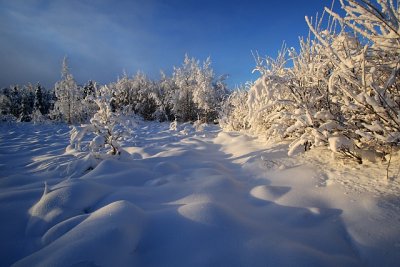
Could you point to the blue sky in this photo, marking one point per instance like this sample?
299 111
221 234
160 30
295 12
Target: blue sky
103 38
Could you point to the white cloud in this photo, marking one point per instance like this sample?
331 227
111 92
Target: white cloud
92 35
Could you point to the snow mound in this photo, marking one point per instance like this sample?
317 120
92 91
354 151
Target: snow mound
269 193
61 228
66 200
117 226
166 167
209 213
83 165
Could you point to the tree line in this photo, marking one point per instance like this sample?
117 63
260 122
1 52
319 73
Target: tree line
193 92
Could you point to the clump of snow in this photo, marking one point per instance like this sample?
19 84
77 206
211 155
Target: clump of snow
80 166
173 126
339 143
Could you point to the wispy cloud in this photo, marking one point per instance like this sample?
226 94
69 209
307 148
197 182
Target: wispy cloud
104 37
41 32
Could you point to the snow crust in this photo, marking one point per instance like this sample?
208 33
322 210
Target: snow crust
191 196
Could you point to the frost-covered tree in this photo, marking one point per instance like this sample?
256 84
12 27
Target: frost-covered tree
39 99
234 110
221 93
23 103
24 115
125 93
27 103
89 89
145 89
136 94
204 95
185 79
198 94
88 100
164 93
69 97
38 105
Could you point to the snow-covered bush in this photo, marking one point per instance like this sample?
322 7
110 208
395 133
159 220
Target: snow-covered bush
234 110
107 126
342 88
364 78
269 101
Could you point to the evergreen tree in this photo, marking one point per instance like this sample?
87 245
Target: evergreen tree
15 99
5 103
89 89
38 103
24 115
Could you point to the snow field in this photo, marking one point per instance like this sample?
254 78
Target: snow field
183 198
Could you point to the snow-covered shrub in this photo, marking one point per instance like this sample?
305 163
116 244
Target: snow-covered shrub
234 110
364 78
269 101
344 146
107 126
314 115
342 90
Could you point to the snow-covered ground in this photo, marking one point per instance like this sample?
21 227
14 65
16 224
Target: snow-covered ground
191 198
